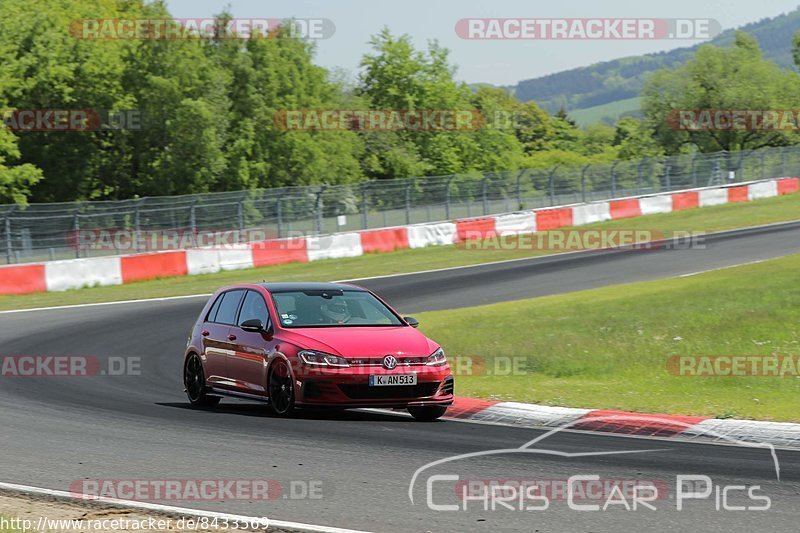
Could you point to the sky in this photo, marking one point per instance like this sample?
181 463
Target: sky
499 62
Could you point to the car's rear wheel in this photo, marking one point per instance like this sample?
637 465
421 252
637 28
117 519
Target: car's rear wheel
427 413
194 380
281 389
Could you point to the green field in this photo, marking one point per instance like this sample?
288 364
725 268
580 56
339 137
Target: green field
705 219
590 115
608 348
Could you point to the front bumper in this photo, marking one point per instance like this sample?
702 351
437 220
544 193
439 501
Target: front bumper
348 388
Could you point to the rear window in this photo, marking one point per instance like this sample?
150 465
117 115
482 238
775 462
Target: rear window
303 309
226 314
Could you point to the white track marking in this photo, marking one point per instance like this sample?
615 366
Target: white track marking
280 524
725 267
429 271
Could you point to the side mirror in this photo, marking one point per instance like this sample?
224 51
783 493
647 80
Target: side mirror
411 321
253 325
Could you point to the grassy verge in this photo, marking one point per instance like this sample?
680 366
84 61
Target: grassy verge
706 219
608 348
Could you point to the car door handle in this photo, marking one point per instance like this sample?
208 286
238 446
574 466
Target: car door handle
231 337
205 333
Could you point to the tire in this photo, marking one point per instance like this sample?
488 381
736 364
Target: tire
194 379
427 413
281 389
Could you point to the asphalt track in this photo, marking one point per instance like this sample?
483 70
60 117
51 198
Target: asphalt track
55 431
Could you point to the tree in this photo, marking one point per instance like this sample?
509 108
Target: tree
735 78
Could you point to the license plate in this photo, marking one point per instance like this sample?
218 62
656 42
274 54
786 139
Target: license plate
386 380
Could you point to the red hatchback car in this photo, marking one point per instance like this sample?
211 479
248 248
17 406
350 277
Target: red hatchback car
313 345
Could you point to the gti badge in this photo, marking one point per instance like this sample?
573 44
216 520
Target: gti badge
389 362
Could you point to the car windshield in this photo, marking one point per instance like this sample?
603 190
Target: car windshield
330 308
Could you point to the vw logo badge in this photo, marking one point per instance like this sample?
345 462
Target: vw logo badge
389 362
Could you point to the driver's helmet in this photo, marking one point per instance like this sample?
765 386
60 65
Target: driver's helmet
336 311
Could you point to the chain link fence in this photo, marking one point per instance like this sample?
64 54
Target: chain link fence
40 232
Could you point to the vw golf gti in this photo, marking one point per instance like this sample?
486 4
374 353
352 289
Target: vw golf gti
300 345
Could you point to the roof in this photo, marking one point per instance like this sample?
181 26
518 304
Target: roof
308 286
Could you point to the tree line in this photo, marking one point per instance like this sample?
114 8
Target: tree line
207 109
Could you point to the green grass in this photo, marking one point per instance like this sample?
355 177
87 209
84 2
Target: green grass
613 110
607 348
705 219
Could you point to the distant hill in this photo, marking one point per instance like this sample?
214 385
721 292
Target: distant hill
613 86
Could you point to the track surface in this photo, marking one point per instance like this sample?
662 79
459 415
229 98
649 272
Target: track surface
59 430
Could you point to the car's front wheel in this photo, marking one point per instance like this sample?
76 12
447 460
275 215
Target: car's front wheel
281 389
194 380
427 413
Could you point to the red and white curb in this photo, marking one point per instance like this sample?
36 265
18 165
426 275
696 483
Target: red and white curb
263 523
698 428
118 270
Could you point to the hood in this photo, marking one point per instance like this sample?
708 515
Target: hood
353 341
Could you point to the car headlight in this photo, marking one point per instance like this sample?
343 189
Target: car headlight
311 357
437 358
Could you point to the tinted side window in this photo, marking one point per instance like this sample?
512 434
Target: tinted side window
227 309
254 306
212 313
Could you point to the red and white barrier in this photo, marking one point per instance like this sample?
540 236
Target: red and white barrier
115 270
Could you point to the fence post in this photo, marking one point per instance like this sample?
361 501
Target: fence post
484 195
694 171
667 182
76 226
584 170
9 243
364 218
408 204
447 197
783 161
519 189
639 175
318 209
551 185
240 216
193 222
279 215
136 224
763 168
614 179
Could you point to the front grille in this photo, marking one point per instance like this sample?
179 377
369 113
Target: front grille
365 392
